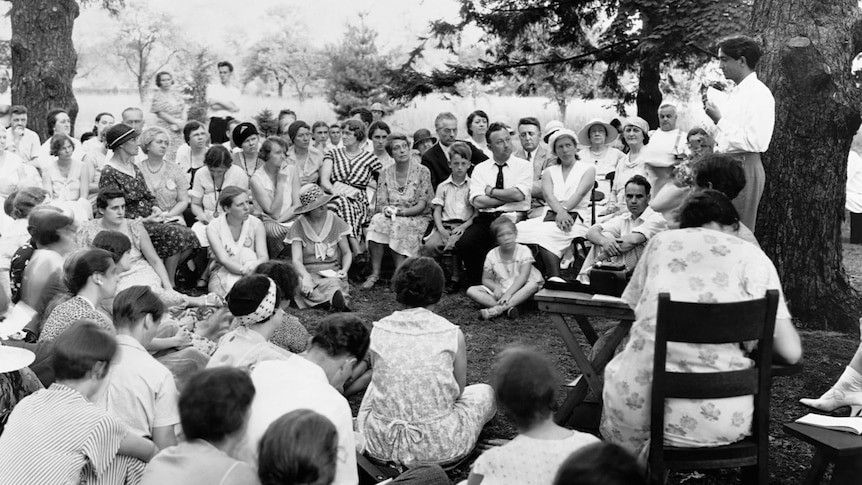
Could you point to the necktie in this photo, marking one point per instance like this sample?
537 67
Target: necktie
529 156
499 184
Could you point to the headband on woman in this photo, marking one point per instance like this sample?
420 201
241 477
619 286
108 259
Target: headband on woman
264 310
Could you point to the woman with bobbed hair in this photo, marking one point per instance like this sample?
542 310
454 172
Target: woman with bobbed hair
346 173
15 234
219 172
716 267
237 239
432 416
378 133
67 178
306 158
190 155
275 190
299 447
477 127
214 411
635 136
169 107
91 277
403 208
58 122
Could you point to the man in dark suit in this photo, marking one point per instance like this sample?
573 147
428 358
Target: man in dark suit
437 157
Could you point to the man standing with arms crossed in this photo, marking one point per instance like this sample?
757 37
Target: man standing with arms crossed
223 101
746 123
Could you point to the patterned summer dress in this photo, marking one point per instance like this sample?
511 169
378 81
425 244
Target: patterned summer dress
356 172
172 103
404 233
694 265
70 311
166 183
168 238
413 411
320 252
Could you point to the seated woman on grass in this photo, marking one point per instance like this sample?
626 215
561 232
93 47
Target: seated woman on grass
509 277
418 408
525 384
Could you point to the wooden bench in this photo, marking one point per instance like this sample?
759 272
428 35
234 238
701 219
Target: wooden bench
829 446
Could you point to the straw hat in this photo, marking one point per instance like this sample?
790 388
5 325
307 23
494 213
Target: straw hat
611 133
557 134
13 358
311 196
377 107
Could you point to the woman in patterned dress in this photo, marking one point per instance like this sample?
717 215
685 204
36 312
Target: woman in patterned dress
346 173
172 240
168 106
403 201
703 261
418 408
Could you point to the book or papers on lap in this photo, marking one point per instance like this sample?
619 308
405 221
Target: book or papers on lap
600 297
329 273
848 424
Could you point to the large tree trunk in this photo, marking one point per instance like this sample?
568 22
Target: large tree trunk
43 58
649 94
806 63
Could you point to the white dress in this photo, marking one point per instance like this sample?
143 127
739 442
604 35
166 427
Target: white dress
66 191
547 234
241 250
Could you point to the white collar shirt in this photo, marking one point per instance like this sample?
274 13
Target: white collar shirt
747 118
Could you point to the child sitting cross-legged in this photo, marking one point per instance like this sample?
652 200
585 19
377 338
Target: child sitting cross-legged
526 388
509 277
453 213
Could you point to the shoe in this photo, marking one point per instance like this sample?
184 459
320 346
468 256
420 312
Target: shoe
567 262
512 312
846 392
370 282
556 279
337 302
489 313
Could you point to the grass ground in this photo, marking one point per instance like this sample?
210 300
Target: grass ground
826 354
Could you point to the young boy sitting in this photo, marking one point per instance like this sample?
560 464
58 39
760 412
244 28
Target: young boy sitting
57 435
453 213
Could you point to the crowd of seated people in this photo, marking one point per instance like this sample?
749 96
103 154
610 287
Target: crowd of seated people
97 235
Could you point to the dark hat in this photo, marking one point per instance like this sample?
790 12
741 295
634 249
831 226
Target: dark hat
119 134
421 135
294 127
242 132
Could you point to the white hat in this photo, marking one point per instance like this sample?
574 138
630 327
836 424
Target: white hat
611 133
557 134
551 127
13 358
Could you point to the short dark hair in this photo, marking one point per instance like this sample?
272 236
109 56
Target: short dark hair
340 334
526 386
379 125
51 119
114 242
498 224
225 64
228 194
217 156
418 282
47 229
134 303
705 207
24 200
356 127
58 140
83 264
738 46
79 348
18 109
600 463
639 180
159 77
472 116
107 194
364 114
286 112
266 147
215 402
495 127
391 139
722 172
299 447
530 120
191 126
96 126
247 293
318 124
461 148
283 273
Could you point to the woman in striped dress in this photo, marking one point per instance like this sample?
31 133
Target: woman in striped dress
345 174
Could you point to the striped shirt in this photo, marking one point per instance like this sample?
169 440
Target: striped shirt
57 436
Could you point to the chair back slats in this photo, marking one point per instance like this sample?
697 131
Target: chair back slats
710 385
713 323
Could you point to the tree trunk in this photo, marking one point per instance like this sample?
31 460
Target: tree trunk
280 85
43 58
807 64
649 94
563 105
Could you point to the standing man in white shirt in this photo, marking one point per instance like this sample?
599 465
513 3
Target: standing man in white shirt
746 123
500 186
223 101
668 138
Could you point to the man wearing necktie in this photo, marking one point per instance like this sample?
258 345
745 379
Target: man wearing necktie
534 151
498 186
